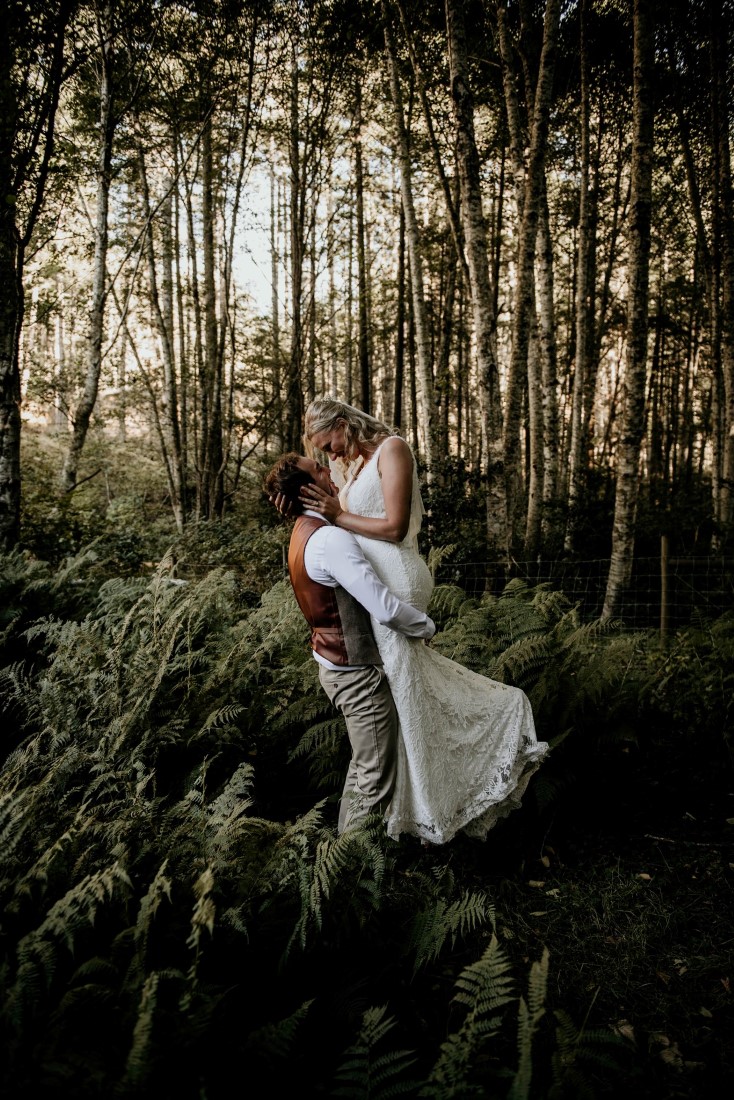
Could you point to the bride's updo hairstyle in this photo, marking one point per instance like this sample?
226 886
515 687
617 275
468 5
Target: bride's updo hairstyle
359 427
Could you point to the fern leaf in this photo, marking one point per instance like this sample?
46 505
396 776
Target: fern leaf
365 1074
433 926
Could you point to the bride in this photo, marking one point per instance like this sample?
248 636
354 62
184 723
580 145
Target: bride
468 744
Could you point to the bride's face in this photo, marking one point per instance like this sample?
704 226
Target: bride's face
332 442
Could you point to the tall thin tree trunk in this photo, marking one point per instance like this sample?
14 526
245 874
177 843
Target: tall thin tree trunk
32 176
397 414
331 266
523 316
423 374
584 318
549 520
162 312
294 395
620 568
211 477
365 380
181 331
85 407
480 288
275 381
349 359
725 203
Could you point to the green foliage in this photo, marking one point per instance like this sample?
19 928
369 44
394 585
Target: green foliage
485 988
581 1053
368 1075
444 920
169 871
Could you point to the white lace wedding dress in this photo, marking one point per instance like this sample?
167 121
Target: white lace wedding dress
467 744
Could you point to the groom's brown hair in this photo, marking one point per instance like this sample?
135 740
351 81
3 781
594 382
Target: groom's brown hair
288 478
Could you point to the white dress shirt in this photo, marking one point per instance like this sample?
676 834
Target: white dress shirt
334 557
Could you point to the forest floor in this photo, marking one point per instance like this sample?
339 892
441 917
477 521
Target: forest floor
631 889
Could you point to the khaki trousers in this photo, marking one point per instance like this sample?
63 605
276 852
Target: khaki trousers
364 698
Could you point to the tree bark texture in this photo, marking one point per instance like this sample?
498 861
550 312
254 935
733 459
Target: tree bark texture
423 374
26 172
640 217
210 496
85 407
584 316
524 306
365 380
10 307
550 439
724 504
480 288
161 308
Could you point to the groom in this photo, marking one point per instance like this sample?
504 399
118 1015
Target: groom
337 591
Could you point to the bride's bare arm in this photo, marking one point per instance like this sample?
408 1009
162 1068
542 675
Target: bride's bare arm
396 471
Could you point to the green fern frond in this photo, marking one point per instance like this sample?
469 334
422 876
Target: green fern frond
366 1075
446 601
432 927
438 554
37 950
530 1013
234 798
519 661
484 987
579 1052
139 1060
274 1041
322 736
516 589
150 903
14 821
487 984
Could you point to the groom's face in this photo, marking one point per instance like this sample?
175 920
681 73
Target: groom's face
320 474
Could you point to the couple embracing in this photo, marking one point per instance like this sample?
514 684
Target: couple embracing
436 747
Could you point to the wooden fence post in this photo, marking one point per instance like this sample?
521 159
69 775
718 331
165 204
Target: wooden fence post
664 551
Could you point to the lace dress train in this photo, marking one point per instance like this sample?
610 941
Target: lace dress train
467 746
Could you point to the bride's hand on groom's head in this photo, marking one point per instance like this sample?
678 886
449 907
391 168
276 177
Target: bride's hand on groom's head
327 504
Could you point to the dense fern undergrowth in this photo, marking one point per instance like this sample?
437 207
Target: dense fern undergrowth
179 913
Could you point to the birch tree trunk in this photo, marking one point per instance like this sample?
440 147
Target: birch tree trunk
11 305
397 413
724 502
210 497
550 528
161 305
576 457
85 407
294 394
423 375
362 314
275 380
524 294
633 414
480 288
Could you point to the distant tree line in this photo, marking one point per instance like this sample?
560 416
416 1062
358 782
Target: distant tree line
504 227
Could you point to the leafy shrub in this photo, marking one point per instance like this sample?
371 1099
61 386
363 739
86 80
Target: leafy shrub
176 901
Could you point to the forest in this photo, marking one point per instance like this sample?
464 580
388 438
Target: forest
505 228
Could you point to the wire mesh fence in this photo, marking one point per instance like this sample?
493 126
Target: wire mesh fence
664 593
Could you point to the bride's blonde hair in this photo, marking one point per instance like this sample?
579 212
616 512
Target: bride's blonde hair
359 427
